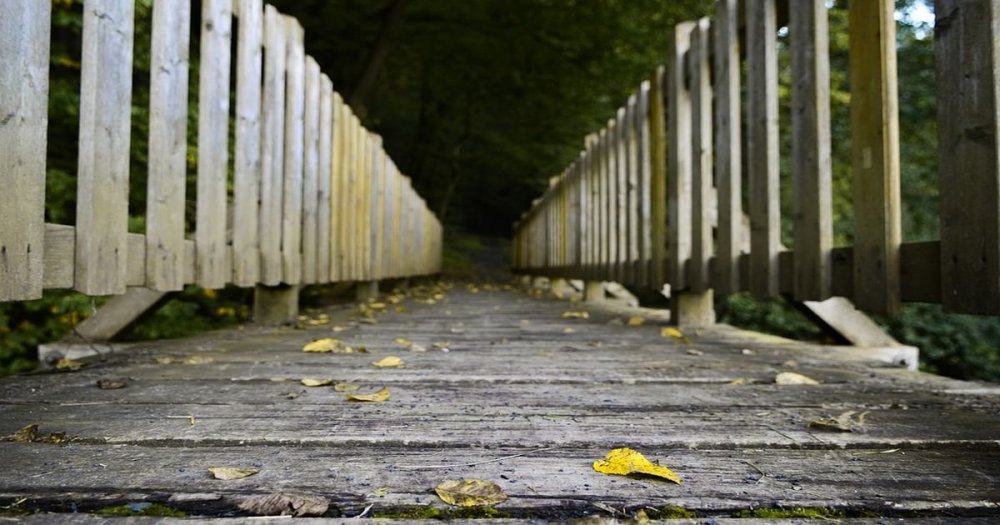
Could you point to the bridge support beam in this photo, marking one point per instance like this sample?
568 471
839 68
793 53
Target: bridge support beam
365 291
275 305
692 308
593 291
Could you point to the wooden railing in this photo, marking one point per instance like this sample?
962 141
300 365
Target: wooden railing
656 197
315 198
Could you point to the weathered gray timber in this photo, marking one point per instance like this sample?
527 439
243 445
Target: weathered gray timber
523 397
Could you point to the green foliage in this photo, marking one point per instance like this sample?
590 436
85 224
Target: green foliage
457 255
773 316
795 512
25 325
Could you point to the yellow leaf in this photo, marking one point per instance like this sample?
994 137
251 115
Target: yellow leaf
389 362
69 364
197 360
576 314
669 331
470 492
345 387
377 306
625 461
636 320
324 345
316 381
377 397
417 348
401 309
568 330
791 378
404 342
228 473
25 435
339 328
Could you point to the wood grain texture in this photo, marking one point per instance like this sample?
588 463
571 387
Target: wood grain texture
24 90
310 180
702 153
337 189
273 148
679 164
762 146
324 220
658 179
644 183
105 137
213 144
967 53
247 158
728 146
875 155
377 209
295 95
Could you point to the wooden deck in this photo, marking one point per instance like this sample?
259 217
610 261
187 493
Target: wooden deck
523 397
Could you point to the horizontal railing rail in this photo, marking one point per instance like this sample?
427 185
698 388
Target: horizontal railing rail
657 196
315 198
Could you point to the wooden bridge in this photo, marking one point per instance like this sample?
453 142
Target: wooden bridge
362 410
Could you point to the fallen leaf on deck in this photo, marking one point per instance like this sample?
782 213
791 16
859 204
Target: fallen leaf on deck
292 395
327 345
381 492
228 473
443 346
377 397
24 435
404 342
389 362
338 329
401 309
417 348
576 314
695 352
625 461
69 365
316 381
285 504
197 360
791 378
345 387
843 423
568 330
636 320
111 384
377 306
669 331
470 492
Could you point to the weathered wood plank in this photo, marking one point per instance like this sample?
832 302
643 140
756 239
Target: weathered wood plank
762 146
310 182
967 53
295 94
247 161
24 90
326 174
728 146
699 73
105 136
273 148
213 144
679 154
875 155
811 161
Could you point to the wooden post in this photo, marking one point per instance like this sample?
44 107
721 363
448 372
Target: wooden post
811 170
310 174
658 179
679 155
276 305
105 137
593 291
25 29
967 49
247 155
875 153
689 309
365 291
699 73
728 147
325 218
762 147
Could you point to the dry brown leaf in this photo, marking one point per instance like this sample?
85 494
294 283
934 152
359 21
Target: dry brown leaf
325 345
417 348
377 397
339 328
345 387
229 473
197 360
404 342
470 492
111 384
791 378
285 505
26 434
316 381
625 461
695 352
576 314
389 362
843 423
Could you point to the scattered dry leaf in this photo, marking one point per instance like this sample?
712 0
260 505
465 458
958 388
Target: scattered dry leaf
669 331
576 314
285 505
25 435
316 381
404 342
636 320
417 348
111 384
843 423
339 328
791 378
389 362
197 360
377 397
292 395
443 346
401 309
695 352
470 492
747 351
345 387
568 330
228 473
625 461
330 345
69 365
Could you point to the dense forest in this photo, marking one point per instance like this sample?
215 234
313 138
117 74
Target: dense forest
480 103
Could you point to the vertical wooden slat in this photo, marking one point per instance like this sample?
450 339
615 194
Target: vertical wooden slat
24 91
762 147
658 179
337 189
602 198
168 112
699 74
213 144
631 150
967 52
679 159
272 147
375 203
325 168
105 119
811 170
643 165
247 156
875 153
310 180
291 215
728 146
388 213
614 190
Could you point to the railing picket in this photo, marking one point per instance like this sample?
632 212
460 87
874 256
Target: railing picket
762 147
325 174
376 193
247 155
967 48
679 155
631 150
25 29
642 143
337 189
875 152
310 174
699 73
273 148
617 203
295 94
658 179
728 147
105 128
